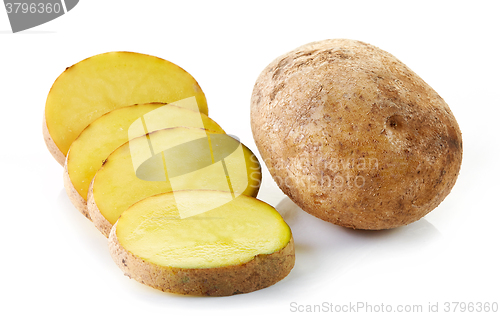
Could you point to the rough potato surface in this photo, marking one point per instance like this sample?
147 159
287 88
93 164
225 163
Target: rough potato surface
102 224
260 272
51 146
353 136
74 197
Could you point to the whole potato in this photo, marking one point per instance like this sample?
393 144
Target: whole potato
353 136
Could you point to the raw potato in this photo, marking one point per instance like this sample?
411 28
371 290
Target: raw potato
238 247
110 131
353 136
99 84
177 158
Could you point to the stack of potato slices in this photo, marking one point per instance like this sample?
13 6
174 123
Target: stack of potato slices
175 195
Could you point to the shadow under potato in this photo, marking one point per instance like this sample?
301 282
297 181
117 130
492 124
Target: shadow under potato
321 245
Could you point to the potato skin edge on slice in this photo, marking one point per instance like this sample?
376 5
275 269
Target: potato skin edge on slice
75 198
262 271
51 146
101 223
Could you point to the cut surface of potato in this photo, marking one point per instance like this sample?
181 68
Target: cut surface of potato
108 132
99 84
236 246
172 159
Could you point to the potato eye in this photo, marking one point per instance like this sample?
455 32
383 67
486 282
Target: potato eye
395 121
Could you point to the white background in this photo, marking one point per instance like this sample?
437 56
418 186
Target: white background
53 260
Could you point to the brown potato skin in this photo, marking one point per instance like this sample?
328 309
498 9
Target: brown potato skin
258 273
51 146
353 136
100 222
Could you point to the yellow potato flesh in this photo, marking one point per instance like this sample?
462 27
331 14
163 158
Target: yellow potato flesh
109 81
230 234
104 135
117 185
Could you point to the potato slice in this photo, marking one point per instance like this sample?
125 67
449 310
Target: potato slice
237 246
105 134
172 159
105 82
